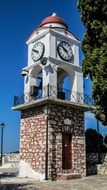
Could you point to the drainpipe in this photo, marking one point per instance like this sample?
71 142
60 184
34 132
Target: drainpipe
46 153
98 141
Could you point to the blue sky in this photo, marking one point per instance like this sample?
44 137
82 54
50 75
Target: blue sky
18 18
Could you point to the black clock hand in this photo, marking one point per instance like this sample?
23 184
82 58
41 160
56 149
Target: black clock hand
66 51
35 50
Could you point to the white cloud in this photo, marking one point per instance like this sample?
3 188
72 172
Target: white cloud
91 122
89 115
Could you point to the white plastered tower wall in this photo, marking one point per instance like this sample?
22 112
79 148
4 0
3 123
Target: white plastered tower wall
51 37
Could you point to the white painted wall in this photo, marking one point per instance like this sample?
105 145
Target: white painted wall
77 88
45 41
50 77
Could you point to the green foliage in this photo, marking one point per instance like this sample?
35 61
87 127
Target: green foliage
94 46
105 140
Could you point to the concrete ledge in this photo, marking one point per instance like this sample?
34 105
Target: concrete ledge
47 100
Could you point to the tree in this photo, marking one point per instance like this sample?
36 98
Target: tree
92 137
91 140
94 46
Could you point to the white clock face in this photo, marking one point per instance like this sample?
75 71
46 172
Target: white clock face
37 51
65 51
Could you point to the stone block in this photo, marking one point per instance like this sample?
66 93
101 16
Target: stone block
69 176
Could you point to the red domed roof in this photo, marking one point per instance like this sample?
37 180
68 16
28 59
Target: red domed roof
53 19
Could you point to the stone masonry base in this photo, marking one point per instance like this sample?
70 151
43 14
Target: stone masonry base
34 123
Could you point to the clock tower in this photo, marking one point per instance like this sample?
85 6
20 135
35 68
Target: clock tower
52 137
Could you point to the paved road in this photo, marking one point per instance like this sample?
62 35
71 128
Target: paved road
88 183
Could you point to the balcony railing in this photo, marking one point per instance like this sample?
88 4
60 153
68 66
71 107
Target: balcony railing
51 91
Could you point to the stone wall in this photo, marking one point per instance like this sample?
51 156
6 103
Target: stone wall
12 159
33 139
56 121
92 163
102 167
93 157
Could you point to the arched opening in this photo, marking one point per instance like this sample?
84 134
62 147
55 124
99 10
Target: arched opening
64 84
36 82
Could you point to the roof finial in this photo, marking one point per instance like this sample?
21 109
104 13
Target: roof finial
54 14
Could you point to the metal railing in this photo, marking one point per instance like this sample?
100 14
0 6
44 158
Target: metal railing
57 93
